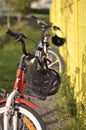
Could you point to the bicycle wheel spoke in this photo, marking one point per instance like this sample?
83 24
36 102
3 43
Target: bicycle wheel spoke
28 123
56 61
53 63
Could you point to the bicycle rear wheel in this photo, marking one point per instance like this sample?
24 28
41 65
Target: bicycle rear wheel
27 118
56 60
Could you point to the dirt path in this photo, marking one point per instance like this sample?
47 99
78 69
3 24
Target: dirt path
49 113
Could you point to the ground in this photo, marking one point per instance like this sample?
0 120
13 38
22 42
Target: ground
49 110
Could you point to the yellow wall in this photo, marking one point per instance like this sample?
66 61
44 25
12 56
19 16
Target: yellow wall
70 15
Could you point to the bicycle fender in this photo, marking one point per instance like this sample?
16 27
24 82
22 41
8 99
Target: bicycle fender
26 102
21 100
3 100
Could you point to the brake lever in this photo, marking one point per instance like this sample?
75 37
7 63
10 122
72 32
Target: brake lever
20 37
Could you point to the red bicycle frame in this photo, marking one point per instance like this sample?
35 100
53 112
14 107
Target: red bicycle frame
19 85
19 82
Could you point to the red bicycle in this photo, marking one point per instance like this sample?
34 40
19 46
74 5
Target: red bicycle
33 78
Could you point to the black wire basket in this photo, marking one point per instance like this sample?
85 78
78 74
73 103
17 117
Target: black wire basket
41 82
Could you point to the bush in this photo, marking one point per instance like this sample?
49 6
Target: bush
75 124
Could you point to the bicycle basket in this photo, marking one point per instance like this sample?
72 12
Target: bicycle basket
58 41
42 82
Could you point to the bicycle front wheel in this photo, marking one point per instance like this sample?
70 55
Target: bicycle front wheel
56 60
27 118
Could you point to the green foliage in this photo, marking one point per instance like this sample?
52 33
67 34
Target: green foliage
22 6
68 92
75 124
42 11
68 107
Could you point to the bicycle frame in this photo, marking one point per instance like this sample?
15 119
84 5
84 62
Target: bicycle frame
16 96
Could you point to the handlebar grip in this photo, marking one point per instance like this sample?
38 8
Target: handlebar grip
39 20
11 33
16 36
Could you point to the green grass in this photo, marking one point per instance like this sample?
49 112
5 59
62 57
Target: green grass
8 62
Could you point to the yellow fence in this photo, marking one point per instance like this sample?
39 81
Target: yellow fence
70 15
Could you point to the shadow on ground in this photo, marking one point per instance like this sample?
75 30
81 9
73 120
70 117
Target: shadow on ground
49 110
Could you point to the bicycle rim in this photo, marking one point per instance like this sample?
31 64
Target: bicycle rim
27 119
56 60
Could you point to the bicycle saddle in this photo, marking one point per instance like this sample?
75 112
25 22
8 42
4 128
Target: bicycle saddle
58 41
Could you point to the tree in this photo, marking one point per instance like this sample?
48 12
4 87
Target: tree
22 6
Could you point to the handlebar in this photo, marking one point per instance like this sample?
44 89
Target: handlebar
44 24
41 22
18 37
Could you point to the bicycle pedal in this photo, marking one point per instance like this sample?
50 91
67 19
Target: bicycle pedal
3 93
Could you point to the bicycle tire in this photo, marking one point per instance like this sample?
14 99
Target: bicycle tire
28 118
54 56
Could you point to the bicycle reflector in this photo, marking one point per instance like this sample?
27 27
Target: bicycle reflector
58 41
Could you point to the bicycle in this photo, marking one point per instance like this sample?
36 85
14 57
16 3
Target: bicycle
56 61
16 110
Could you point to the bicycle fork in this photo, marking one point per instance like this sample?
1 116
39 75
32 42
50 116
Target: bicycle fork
7 111
11 111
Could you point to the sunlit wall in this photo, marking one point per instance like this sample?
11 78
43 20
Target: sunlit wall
70 15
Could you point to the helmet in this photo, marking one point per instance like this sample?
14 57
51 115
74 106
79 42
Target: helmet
58 41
